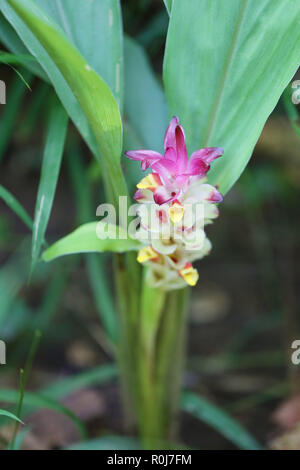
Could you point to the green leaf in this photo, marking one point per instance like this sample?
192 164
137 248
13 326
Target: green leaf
10 112
145 102
50 70
16 319
98 38
64 387
226 65
7 414
56 136
103 298
7 58
95 265
168 5
11 280
16 207
85 240
133 173
146 113
59 390
95 98
100 24
37 401
12 42
52 295
152 33
219 420
291 110
152 308
38 101
21 436
107 443
44 38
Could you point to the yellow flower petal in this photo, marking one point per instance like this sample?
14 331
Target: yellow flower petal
151 182
190 275
147 254
176 212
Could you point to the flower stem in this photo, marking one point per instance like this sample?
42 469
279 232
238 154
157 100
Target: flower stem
161 346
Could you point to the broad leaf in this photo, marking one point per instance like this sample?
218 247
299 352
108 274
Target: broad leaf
95 28
49 69
11 40
145 102
56 136
44 38
226 65
146 110
99 37
86 239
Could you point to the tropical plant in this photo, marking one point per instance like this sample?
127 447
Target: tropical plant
226 65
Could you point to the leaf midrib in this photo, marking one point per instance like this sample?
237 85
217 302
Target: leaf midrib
220 93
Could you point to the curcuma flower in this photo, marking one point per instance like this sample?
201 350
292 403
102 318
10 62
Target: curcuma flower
176 204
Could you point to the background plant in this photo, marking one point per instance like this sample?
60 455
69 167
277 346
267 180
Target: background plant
217 101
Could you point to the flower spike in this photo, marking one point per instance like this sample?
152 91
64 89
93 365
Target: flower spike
177 188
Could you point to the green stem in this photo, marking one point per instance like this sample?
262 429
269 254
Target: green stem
170 358
162 332
128 307
152 309
24 374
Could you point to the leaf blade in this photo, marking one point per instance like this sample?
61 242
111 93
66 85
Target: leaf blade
85 240
168 5
56 136
99 37
95 113
147 112
221 88
48 69
95 98
36 401
16 207
7 414
62 388
219 420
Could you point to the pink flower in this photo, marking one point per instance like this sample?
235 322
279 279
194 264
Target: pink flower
173 171
173 192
